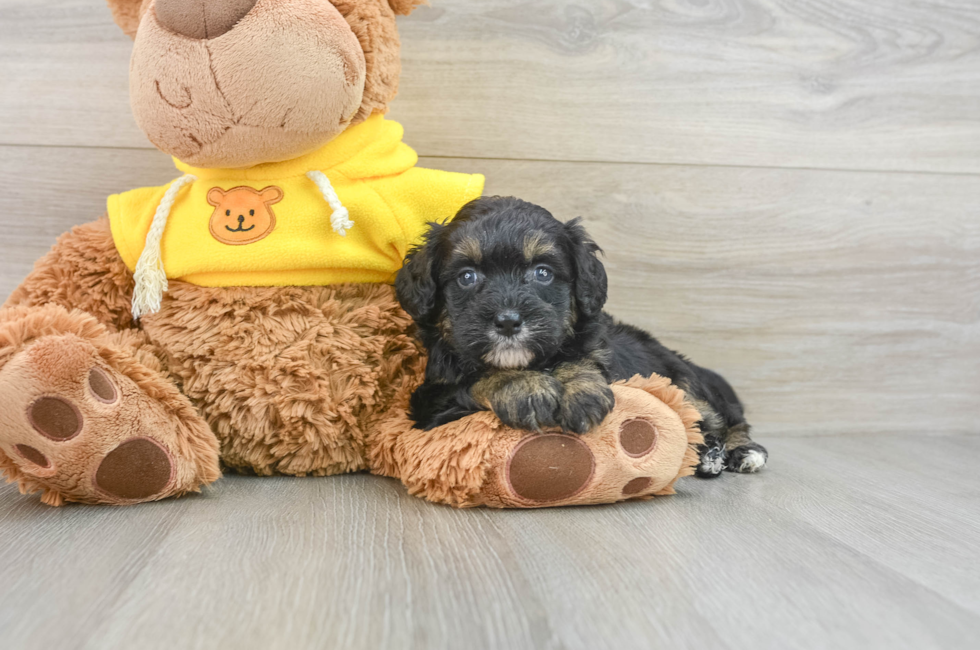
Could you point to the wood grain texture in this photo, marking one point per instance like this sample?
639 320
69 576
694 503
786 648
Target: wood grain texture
835 302
844 84
842 542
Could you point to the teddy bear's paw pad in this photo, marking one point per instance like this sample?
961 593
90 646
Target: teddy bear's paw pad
747 459
33 455
638 438
136 469
55 418
549 468
637 486
101 386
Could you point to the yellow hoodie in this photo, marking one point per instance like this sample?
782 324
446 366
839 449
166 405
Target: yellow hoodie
280 224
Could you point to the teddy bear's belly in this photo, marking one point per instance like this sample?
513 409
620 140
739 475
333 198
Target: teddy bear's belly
290 379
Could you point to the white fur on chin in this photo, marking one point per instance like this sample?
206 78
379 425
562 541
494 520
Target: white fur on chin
508 353
509 358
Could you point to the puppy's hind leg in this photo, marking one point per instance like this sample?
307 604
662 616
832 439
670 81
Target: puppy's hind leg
744 455
711 454
727 442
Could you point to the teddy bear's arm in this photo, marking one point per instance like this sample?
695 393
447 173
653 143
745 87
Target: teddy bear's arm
642 447
82 271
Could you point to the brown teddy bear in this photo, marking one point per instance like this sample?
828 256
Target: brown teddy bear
243 314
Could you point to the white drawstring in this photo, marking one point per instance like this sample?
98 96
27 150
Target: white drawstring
151 279
340 219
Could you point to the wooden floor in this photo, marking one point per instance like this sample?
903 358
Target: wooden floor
859 542
789 192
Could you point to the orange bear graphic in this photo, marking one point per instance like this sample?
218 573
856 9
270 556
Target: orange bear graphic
243 215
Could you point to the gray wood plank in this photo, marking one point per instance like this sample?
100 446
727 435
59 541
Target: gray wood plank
811 83
899 502
835 302
354 562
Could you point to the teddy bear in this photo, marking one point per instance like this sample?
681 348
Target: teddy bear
242 317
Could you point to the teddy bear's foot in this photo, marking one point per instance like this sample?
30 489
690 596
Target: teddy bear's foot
638 451
82 420
642 447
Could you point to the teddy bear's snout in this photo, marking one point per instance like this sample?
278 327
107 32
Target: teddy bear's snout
202 19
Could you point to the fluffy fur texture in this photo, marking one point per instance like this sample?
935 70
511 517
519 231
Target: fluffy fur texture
509 301
373 22
290 379
82 271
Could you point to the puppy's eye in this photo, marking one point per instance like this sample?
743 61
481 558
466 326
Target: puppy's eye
544 274
467 278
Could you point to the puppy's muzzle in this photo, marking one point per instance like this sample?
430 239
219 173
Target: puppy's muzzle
508 323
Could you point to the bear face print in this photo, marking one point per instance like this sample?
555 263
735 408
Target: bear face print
243 215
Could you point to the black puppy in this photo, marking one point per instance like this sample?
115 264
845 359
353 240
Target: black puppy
508 301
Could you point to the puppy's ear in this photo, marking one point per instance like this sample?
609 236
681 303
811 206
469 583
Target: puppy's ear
590 275
416 284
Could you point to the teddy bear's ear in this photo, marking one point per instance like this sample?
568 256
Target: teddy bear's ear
127 14
405 7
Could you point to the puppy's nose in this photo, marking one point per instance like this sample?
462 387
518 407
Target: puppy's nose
508 323
202 19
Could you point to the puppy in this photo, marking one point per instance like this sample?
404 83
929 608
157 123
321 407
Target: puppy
508 301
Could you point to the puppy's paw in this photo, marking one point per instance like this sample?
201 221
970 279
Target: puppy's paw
529 400
584 407
747 459
712 458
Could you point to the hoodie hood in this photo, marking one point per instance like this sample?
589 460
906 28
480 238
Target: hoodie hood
370 149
